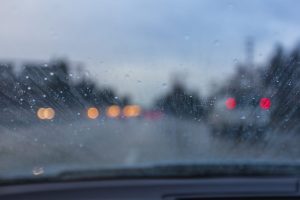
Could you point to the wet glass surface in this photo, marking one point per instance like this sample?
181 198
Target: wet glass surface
97 84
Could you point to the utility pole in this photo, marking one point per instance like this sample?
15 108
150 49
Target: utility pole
250 52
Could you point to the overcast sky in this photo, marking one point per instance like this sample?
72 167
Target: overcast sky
136 45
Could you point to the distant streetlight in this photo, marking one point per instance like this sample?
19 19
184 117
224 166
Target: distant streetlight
93 113
113 111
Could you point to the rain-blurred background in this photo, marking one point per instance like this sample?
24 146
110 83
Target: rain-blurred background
106 81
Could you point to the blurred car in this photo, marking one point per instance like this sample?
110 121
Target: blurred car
239 118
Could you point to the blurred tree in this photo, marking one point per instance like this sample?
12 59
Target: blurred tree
282 80
49 85
179 102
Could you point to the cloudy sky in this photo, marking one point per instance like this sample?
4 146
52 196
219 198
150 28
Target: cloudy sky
136 46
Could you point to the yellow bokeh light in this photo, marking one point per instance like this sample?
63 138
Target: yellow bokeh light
132 111
45 113
92 113
113 111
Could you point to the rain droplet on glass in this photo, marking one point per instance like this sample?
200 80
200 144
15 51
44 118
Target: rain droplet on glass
37 171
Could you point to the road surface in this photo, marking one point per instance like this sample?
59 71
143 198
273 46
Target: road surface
94 143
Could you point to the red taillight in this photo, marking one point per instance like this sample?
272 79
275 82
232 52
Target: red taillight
265 103
230 103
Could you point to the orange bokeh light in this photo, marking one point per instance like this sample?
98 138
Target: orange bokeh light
40 113
93 113
113 111
49 113
46 113
132 111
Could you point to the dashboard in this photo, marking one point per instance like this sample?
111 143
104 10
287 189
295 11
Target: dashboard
166 189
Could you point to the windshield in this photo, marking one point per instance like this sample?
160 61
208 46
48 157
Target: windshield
92 85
